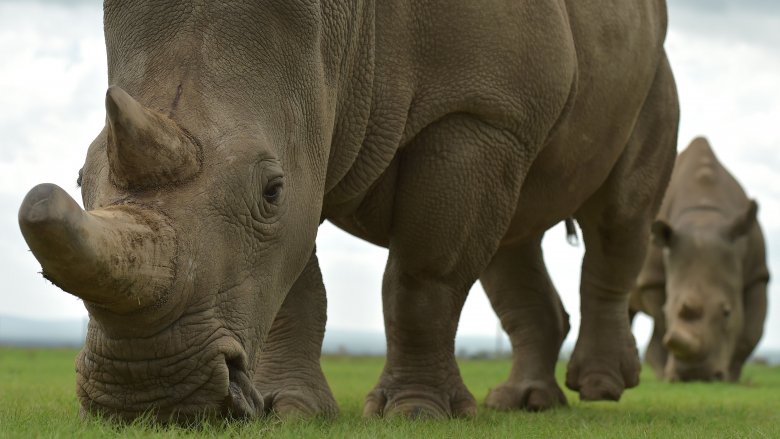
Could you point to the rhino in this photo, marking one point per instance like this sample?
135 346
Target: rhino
452 133
704 282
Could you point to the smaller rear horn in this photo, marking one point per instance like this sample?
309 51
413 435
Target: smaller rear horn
145 148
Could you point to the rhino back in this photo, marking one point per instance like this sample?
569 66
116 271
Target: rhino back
619 54
551 73
510 65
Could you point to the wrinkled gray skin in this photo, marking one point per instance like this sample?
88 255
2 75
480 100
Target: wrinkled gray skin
704 282
453 133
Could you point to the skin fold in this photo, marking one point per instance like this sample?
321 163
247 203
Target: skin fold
704 283
452 133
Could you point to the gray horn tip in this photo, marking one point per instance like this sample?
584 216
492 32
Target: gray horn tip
116 100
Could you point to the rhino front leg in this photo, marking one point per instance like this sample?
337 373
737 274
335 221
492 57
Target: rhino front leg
522 294
651 300
605 359
755 306
288 372
656 354
456 191
615 224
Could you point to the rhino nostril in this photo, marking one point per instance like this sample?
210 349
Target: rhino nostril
718 375
691 311
242 400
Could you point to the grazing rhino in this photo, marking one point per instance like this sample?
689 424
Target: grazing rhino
704 283
452 133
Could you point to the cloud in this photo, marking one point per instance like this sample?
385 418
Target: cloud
352 272
729 92
51 80
727 6
753 22
51 83
62 3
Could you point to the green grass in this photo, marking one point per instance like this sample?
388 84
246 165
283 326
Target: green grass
37 399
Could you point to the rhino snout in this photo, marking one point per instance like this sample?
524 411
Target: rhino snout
177 384
677 370
682 344
689 360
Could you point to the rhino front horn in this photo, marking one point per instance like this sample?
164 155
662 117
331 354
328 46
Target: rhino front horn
146 149
119 258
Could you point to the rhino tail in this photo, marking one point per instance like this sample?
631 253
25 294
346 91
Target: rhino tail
571 232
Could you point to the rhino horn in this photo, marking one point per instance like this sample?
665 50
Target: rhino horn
120 258
682 344
146 149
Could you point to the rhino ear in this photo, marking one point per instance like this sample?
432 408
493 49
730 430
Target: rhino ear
662 233
743 222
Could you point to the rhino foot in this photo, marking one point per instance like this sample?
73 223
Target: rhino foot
420 403
301 404
605 360
528 395
598 387
603 375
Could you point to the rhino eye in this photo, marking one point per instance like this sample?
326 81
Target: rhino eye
273 191
726 311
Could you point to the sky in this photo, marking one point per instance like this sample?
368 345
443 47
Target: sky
725 55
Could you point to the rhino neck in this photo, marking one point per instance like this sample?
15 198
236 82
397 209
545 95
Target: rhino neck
350 70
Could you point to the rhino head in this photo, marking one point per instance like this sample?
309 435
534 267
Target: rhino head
704 310
202 199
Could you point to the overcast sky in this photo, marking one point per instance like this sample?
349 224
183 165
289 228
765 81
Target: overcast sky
726 59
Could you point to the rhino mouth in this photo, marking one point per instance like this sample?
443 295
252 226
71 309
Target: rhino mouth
683 371
242 401
202 382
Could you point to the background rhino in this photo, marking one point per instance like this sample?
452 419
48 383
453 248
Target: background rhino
454 134
704 282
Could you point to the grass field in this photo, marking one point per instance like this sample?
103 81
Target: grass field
37 399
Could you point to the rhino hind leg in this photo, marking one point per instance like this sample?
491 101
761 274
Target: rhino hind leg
616 226
522 294
288 373
456 193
